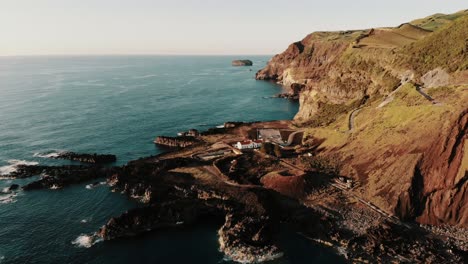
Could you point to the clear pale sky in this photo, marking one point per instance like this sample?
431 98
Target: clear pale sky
40 27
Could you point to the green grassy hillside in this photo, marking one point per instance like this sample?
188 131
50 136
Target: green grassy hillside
446 48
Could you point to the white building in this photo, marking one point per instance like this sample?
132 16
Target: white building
248 144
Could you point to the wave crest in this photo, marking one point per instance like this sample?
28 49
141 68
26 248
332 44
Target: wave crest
49 155
8 198
13 166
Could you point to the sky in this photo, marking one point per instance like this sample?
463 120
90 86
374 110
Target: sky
200 27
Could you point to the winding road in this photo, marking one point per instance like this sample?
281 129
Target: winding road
292 135
351 119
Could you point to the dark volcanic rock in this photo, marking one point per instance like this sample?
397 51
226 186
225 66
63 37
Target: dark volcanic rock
295 90
232 124
287 96
150 181
61 176
164 215
182 142
87 158
13 187
242 63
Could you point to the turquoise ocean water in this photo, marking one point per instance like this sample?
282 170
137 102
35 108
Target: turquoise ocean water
117 104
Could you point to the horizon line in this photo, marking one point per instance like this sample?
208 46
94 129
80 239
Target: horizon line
131 54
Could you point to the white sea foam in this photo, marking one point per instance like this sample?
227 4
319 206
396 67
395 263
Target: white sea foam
8 198
6 190
54 187
86 220
13 166
257 259
92 185
47 155
86 241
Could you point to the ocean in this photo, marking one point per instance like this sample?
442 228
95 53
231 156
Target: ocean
117 105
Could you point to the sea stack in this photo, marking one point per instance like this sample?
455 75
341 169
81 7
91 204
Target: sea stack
242 63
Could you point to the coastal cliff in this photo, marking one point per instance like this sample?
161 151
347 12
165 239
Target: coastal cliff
389 105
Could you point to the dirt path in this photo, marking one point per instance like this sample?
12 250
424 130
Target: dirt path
351 123
390 97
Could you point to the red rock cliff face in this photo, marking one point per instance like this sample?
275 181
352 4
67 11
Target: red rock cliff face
445 177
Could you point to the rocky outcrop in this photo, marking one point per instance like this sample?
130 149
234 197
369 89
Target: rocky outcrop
181 142
54 177
242 63
13 187
435 78
169 214
87 158
294 92
245 236
232 124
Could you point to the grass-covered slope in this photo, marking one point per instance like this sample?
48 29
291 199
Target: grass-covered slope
446 48
411 137
437 21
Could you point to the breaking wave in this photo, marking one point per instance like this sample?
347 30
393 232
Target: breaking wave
48 155
86 241
13 166
8 198
93 185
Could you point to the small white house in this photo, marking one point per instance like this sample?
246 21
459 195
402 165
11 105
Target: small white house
248 144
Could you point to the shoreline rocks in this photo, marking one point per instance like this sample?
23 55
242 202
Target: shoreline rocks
13 187
87 158
288 96
181 142
55 177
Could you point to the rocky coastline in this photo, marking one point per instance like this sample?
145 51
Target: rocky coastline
178 190
375 164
